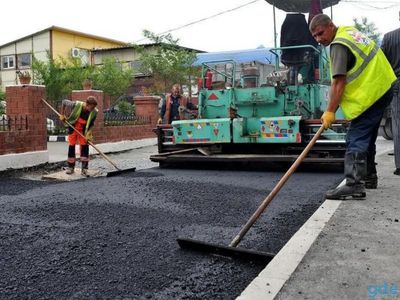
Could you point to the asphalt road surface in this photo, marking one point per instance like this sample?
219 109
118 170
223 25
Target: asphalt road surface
115 238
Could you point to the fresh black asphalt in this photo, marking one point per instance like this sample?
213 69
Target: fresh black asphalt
115 238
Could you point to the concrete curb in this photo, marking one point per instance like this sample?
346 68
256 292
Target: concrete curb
123 145
270 281
23 160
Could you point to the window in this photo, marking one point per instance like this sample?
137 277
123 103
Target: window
136 65
8 62
24 60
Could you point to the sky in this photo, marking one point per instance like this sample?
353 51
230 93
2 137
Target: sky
245 28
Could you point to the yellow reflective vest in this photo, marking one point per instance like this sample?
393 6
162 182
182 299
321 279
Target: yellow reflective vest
371 76
76 112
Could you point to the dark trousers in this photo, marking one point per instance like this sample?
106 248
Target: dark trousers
84 156
363 131
395 106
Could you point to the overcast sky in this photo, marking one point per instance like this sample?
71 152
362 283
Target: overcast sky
244 28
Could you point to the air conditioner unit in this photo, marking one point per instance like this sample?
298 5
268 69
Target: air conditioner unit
76 52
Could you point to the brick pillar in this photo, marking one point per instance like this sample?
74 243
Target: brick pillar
98 129
147 106
23 101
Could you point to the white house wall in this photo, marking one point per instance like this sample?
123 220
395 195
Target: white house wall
123 55
41 45
38 45
8 50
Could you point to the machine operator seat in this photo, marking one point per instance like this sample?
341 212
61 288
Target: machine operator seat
295 32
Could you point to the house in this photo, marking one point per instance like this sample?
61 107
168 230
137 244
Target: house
54 42
260 58
129 56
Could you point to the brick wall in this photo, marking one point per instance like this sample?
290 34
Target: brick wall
145 107
24 103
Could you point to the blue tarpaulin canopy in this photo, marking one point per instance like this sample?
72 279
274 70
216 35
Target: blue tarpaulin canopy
261 55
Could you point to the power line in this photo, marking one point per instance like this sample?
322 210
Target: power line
204 19
366 3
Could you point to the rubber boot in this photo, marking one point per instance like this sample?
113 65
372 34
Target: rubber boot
355 169
84 170
70 169
71 160
371 179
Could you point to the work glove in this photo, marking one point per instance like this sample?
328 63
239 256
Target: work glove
62 118
159 121
89 136
327 119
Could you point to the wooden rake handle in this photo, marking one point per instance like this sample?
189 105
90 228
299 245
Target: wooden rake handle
78 132
275 190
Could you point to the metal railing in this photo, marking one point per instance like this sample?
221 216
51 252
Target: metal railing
13 123
119 119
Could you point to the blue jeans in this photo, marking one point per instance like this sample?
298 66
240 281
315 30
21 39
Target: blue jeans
363 130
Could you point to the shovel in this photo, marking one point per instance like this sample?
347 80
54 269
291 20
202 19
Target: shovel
232 250
109 174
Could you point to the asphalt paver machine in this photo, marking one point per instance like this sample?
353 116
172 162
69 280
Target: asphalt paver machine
247 118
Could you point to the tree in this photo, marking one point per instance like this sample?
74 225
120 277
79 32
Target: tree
168 63
2 102
63 75
112 78
368 28
60 76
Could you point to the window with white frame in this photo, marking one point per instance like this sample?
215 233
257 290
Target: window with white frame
8 62
24 60
136 66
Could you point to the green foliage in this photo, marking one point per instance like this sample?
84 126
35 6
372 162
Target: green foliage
2 102
368 28
125 108
61 76
168 63
112 78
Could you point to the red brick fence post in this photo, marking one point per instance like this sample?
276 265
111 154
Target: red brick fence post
24 145
147 106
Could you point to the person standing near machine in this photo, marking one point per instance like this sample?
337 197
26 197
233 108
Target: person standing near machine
391 47
361 85
174 106
82 117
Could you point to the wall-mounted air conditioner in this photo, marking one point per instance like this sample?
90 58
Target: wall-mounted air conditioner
76 52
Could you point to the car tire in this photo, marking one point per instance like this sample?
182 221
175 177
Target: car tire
386 129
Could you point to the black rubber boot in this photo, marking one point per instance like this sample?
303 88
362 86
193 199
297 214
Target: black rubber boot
355 168
371 179
84 170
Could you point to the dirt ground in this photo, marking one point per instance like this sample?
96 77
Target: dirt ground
115 238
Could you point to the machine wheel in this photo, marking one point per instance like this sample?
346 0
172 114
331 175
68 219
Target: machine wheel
386 129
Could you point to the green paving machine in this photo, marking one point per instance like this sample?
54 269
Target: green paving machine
247 118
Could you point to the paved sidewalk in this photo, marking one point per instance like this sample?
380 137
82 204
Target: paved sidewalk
355 256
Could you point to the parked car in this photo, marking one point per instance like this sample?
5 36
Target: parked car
385 128
50 125
4 120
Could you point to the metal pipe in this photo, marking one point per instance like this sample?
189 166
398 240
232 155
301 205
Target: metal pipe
275 38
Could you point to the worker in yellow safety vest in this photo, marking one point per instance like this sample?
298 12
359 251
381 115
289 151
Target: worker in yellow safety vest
82 117
361 85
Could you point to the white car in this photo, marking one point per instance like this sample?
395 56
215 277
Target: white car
4 123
